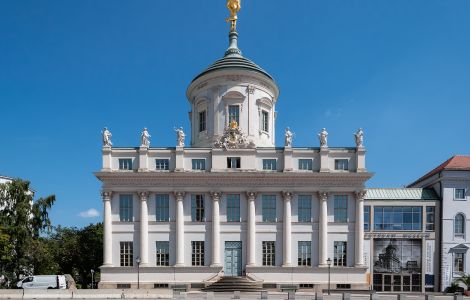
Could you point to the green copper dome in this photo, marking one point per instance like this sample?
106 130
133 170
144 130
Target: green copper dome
233 59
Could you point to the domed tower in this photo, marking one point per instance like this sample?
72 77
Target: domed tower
233 101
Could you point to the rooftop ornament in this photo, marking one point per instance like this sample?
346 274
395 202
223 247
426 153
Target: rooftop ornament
234 7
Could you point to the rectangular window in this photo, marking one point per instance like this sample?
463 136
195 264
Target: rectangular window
340 254
269 208
234 113
305 164
162 252
269 164
202 121
126 254
430 215
265 121
126 208
233 208
366 218
269 253
341 208
199 164
397 218
162 164
197 208
233 162
460 194
305 208
197 254
304 253
125 164
162 204
341 164
459 262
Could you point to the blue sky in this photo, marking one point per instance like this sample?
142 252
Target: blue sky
398 68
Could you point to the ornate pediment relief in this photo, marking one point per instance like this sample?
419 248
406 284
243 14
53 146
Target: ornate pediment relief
233 138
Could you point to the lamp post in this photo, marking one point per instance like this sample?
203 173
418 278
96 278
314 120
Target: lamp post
137 260
328 262
92 281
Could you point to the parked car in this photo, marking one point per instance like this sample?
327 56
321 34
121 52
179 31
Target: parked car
43 282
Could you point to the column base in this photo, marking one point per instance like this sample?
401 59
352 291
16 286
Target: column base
322 265
143 265
359 265
289 265
107 265
250 265
218 265
179 265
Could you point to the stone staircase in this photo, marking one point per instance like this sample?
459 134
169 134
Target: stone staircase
231 284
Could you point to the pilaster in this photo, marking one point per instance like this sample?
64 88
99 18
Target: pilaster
324 167
143 159
216 229
107 229
251 218
144 229
359 240
288 160
361 159
179 196
179 159
323 229
287 232
107 158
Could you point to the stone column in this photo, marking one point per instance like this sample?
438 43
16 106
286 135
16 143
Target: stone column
323 229
107 230
287 230
179 229
144 229
251 218
215 229
359 241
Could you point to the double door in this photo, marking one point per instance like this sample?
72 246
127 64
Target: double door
233 259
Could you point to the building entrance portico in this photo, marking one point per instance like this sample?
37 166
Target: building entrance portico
233 259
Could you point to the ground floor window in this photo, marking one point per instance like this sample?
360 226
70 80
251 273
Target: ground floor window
458 262
269 254
197 253
162 254
340 254
126 254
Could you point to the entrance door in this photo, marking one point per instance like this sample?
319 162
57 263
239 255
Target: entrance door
233 258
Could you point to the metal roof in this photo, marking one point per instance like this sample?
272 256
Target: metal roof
401 194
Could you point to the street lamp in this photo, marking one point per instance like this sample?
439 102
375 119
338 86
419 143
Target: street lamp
328 262
92 281
137 260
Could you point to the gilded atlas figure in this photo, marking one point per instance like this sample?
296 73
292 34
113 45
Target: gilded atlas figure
234 7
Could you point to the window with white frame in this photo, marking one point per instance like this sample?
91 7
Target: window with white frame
197 254
268 208
459 225
162 252
233 208
125 164
199 164
430 215
234 113
340 206
264 121
305 164
340 249
366 218
202 121
162 164
341 164
197 208
269 164
459 262
269 253
233 162
126 213
304 253
126 254
304 206
162 208
459 194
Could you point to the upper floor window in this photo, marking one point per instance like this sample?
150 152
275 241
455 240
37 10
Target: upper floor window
304 257
269 164
305 164
341 164
269 253
305 208
125 164
430 215
264 121
126 254
197 255
233 208
390 218
233 162
234 113
199 164
162 164
459 194
162 205
268 208
459 225
366 218
126 208
197 208
202 121
162 252
340 208
340 249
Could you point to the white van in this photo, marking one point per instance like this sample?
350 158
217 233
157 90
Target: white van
43 282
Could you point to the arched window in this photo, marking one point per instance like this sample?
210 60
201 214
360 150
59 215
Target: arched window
459 225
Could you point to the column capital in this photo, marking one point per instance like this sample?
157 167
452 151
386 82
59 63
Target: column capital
143 195
215 195
360 194
251 195
179 195
323 195
287 195
106 195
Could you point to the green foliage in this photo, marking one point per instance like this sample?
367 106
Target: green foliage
465 280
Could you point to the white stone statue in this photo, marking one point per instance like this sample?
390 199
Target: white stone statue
323 137
288 140
359 137
180 136
106 137
145 138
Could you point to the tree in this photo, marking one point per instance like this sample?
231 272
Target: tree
22 221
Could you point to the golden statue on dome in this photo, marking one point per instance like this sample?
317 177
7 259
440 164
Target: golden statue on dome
234 7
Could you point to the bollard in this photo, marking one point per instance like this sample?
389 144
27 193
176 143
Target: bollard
181 296
236 295
429 297
210 295
401 297
291 295
318 296
264 295
458 297
346 296
374 296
